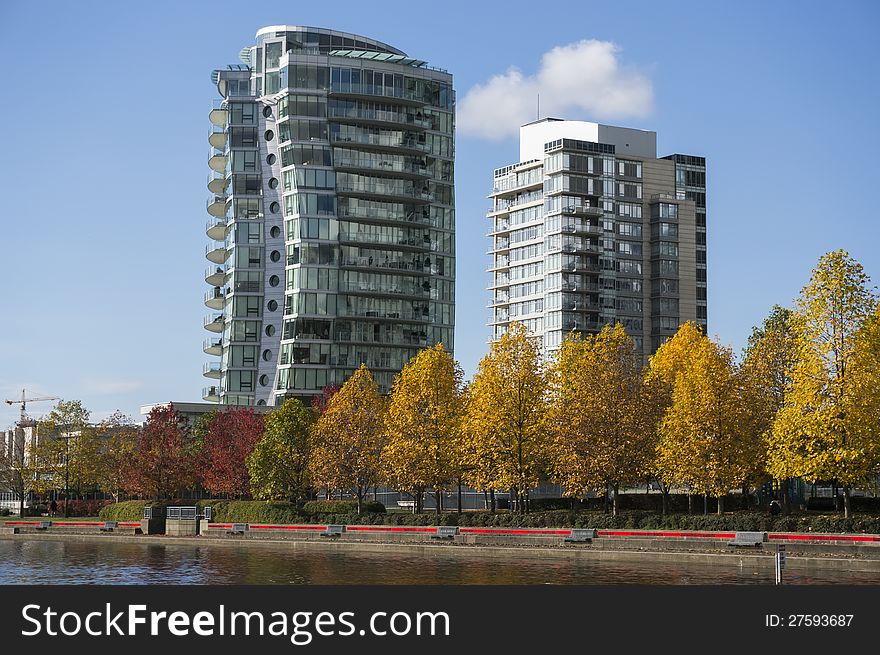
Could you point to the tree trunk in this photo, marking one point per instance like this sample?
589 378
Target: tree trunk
720 505
745 496
847 507
360 497
705 504
437 496
459 495
664 499
615 505
786 497
690 503
492 505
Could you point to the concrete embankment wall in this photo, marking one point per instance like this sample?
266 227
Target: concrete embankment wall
804 551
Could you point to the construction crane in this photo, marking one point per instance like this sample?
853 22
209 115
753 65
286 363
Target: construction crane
23 402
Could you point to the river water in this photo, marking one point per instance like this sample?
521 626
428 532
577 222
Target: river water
70 562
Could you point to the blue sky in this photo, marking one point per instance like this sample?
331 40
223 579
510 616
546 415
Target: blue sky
104 126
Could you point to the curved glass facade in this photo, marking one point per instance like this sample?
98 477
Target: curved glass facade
332 185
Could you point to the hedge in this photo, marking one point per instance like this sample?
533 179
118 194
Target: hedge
242 511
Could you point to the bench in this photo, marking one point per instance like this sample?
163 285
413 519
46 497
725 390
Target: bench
445 532
333 531
582 535
44 525
109 526
239 528
748 539
406 504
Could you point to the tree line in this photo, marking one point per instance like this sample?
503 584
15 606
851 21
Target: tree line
803 401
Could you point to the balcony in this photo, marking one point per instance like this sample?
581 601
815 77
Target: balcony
213 346
218 137
500 262
500 228
214 323
582 210
211 394
381 141
219 115
379 117
215 275
386 191
414 169
218 183
580 227
499 300
413 218
216 253
580 247
212 370
215 299
216 230
218 160
216 206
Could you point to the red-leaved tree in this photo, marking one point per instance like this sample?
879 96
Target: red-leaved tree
230 437
322 400
161 463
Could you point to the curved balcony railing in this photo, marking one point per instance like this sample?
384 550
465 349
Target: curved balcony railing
214 322
212 370
213 346
370 164
216 298
215 275
211 394
218 115
216 253
216 229
382 141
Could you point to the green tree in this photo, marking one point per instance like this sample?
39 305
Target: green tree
505 436
278 464
117 436
70 448
818 433
348 437
422 425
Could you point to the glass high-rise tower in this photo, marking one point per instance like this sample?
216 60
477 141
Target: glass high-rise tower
590 228
332 214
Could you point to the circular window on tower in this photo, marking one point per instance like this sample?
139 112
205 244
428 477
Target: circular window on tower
274 207
267 355
270 159
269 135
272 305
273 182
264 380
267 112
274 281
275 256
275 231
270 330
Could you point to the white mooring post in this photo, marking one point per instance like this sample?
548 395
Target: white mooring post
780 562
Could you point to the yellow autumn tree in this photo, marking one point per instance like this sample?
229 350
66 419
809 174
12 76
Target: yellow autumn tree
600 433
422 425
708 436
769 357
504 427
348 438
670 361
819 433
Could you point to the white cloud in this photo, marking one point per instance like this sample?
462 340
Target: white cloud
580 78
